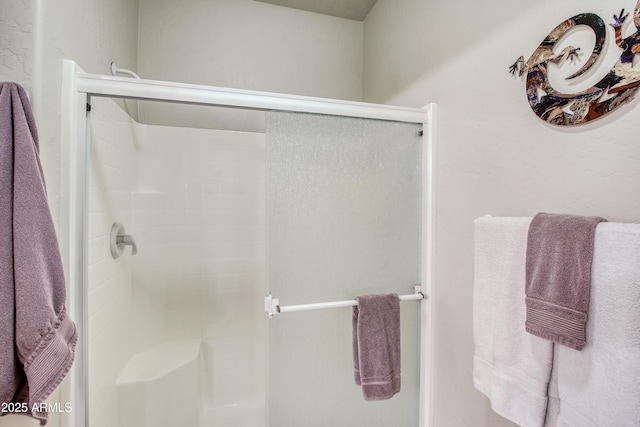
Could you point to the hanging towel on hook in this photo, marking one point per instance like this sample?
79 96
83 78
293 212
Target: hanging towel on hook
376 345
37 337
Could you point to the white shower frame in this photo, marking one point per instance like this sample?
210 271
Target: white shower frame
77 89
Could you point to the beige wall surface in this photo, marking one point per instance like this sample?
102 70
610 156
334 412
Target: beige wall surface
36 36
250 45
494 155
247 45
92 33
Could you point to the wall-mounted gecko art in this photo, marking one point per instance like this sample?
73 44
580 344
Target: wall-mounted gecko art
613 90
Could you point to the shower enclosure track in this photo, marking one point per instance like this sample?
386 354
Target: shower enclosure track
77 89
125 87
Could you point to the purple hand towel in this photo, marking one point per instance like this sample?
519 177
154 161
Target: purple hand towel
558 277
376 345
37 338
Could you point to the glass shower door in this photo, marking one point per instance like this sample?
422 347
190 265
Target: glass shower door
176 335
343 219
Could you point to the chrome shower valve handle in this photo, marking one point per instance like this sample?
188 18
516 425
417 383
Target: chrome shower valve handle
119 239
127 239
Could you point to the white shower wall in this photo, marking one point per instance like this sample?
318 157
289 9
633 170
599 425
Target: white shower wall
198 213
194 201
112 174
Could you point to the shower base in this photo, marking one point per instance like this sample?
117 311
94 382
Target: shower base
242 414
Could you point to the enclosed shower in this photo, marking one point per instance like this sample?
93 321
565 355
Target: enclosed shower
239 248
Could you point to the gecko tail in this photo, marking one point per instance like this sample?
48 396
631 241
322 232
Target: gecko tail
598 27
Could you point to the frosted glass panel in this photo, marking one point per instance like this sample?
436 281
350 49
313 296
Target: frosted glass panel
343 219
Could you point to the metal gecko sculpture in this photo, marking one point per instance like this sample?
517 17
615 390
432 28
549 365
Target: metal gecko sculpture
613 90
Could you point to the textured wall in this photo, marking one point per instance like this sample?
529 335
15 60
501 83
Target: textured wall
396 48
35 36
16 41
16 64
494 155
92 33
248 45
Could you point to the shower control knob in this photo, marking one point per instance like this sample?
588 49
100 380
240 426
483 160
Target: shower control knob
119 239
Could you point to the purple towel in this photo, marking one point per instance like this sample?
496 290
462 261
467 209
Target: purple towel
376 345
37 338
558 277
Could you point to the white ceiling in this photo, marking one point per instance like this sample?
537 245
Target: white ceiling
349 9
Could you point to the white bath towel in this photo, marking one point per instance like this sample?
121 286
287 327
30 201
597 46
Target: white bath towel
510 366
553 405
600 386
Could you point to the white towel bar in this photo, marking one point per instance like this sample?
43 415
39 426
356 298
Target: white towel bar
272 305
